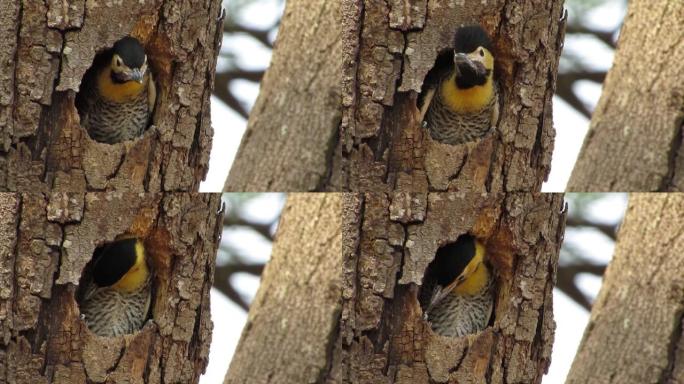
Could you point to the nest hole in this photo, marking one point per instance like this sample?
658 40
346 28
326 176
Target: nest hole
117 97
456 296
116 288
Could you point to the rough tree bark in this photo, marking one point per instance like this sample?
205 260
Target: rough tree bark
389 47
46 241
634 142
387 247
45 51
291 323
635 333
293 127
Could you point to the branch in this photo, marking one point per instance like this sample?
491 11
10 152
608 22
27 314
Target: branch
572 76
605 36
566 281
262 229
258 34
607 229
238 73
222 280
564 90
223 92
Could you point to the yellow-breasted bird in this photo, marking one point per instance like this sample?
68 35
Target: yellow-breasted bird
456 296
462 100
115 295
117 96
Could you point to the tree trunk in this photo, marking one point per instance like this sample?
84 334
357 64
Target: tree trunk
368 327
389 48
635 331
635 139
45 243
389 243
291 323
293 127
48 47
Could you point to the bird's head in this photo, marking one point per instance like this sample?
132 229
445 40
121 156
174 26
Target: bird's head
459 260
473 58
129 62
121 265
455 263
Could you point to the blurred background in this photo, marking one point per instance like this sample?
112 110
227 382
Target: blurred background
249 226
251 219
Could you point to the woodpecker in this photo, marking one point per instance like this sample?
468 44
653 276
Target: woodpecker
456 296
461 101
116 100
116 291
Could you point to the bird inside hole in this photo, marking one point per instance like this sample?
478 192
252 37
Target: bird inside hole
117 95
456 295
459 102
115 291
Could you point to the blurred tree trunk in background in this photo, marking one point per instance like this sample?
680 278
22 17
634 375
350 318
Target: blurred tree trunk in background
293 126
635 139
46 241
390 47
635 331
45 51
295 314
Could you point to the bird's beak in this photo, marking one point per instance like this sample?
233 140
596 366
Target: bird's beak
441 292
461 59
137 75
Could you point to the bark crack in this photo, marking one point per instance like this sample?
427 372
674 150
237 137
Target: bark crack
674 350
16 67
122 351
673 155
324 180
357 275
15 287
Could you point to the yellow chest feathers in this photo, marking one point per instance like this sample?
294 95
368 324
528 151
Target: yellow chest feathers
468 100
117 92
474 283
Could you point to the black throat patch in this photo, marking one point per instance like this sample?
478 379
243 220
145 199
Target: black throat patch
117 78
470 77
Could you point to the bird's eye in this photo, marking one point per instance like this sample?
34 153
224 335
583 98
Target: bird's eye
481 52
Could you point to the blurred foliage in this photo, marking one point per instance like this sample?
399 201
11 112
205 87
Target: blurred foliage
232 258
573 64
585 217
230 70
